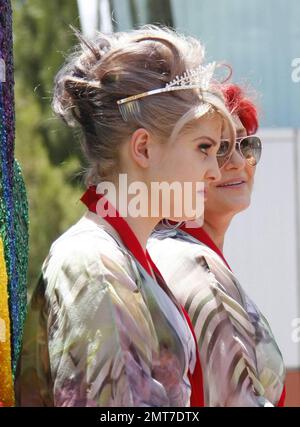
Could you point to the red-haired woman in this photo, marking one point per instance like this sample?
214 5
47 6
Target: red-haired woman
241 362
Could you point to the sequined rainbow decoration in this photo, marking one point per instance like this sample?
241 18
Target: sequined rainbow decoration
6 378
13 221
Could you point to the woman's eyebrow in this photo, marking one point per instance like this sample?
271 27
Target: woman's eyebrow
239 133
214 142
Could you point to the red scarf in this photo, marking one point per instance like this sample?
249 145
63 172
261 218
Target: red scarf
201 235
90 198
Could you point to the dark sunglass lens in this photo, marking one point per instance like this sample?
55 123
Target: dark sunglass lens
222 154
224 148
251 149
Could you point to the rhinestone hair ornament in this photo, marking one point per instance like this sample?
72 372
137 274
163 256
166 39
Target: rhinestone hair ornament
197 78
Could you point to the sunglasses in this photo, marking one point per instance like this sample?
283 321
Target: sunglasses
249 147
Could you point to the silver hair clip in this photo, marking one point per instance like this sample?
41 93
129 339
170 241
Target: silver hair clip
198 78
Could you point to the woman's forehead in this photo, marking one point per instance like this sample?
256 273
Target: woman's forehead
240 129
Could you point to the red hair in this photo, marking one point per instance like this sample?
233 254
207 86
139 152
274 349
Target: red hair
238 104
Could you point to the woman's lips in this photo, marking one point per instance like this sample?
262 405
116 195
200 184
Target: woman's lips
234 184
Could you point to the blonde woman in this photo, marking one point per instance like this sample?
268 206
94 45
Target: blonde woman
103 329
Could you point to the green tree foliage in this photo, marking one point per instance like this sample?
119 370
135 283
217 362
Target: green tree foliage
46 149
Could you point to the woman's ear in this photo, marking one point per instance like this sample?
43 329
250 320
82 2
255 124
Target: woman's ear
140 147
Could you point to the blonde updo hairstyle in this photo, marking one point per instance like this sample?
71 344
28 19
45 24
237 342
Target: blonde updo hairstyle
112 67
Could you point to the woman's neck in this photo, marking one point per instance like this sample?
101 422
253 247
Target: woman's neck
141 225
216 227
142 228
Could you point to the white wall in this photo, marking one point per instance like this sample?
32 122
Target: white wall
262 245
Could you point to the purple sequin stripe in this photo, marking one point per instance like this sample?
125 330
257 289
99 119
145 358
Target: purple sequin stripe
7 133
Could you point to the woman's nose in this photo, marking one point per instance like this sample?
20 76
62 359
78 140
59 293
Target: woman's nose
236 161
213 171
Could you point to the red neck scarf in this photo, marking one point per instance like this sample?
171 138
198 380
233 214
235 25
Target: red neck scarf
201 235
90 198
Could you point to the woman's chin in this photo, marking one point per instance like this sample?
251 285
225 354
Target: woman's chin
227 207
237 205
